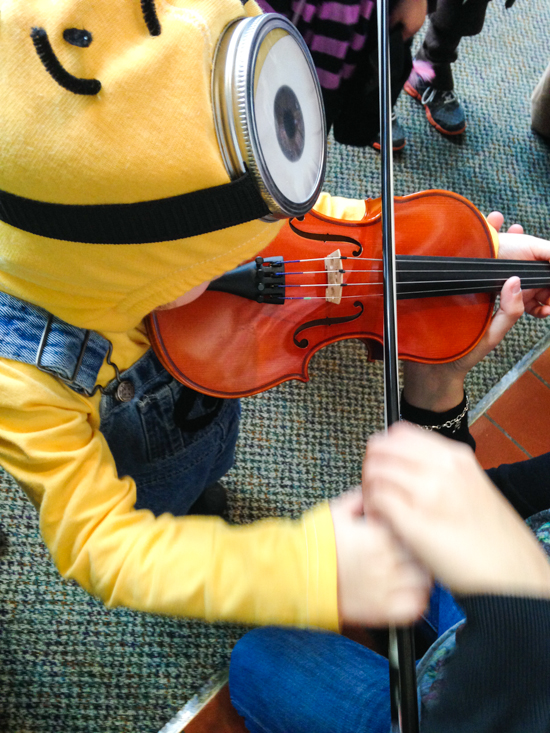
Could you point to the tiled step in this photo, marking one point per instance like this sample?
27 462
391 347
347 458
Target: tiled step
514 421
209 711
218 716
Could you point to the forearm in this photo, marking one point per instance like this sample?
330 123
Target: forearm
498 676
433 387
526 484
435 398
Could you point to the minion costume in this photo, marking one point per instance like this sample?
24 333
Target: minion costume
109 103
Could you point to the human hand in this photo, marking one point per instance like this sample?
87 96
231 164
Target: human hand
410 14
379 584
515 245
440 503
440 387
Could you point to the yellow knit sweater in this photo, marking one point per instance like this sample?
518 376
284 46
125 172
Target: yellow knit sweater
148 134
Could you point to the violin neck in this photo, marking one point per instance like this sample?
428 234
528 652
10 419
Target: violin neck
424 277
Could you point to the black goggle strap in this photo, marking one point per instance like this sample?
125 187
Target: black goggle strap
160 220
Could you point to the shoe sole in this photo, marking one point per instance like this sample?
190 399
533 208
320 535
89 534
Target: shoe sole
396 149
411 91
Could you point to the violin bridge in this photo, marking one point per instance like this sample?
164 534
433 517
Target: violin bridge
335 278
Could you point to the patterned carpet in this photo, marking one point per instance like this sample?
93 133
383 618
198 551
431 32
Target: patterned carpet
69 664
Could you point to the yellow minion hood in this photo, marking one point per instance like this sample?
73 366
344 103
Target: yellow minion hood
109 103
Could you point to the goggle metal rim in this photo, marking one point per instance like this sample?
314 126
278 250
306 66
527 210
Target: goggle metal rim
233 99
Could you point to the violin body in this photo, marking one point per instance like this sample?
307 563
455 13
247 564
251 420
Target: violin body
228 346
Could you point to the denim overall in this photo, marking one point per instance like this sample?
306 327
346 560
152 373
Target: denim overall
173 441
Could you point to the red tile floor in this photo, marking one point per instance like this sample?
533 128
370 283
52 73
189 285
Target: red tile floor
517 424
514 426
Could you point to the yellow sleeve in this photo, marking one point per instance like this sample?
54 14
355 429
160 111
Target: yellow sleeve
273 571
340 208
494 236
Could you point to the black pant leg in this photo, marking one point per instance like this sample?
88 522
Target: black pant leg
449 23
358 120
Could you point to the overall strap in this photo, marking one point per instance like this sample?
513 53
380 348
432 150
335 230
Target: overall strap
31 335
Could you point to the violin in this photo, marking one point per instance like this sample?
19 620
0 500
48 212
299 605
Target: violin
259 325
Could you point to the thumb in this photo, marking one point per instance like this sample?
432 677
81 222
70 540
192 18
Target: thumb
510 310
511 302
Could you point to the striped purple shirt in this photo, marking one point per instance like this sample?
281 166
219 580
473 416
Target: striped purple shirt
335 33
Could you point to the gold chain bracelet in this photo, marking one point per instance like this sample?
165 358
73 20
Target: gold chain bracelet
454 423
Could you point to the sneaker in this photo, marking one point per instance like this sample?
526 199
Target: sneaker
212 502
541 135
443 108
397 135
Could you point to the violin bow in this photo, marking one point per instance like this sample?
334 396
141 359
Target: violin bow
404 701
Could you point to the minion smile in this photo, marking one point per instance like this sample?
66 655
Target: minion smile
82 38
53 66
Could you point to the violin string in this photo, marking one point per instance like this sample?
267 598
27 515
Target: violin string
457 283
402 259
400 294
327 259
481 274
323 297
511 268
321 272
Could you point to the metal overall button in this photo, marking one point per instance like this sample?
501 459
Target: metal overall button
125 391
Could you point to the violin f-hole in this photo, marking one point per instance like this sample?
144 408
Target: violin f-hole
328 238
304 343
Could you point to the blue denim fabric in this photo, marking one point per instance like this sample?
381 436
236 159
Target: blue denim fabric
288 680
171 467
443 612
72 354
292 681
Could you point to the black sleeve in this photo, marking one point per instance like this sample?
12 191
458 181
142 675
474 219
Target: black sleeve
424 418
525 484
498 680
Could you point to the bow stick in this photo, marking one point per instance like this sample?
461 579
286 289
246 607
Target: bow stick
404 703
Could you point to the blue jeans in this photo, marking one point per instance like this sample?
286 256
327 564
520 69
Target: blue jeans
295 681
171 464
172 440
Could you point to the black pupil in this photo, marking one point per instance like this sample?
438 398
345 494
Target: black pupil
289 123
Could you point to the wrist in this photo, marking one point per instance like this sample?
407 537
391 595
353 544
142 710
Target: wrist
428 387
452 423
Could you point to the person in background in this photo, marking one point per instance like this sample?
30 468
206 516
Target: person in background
431 80
488 667
342 39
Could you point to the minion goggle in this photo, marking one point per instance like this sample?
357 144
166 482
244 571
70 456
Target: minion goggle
270 125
